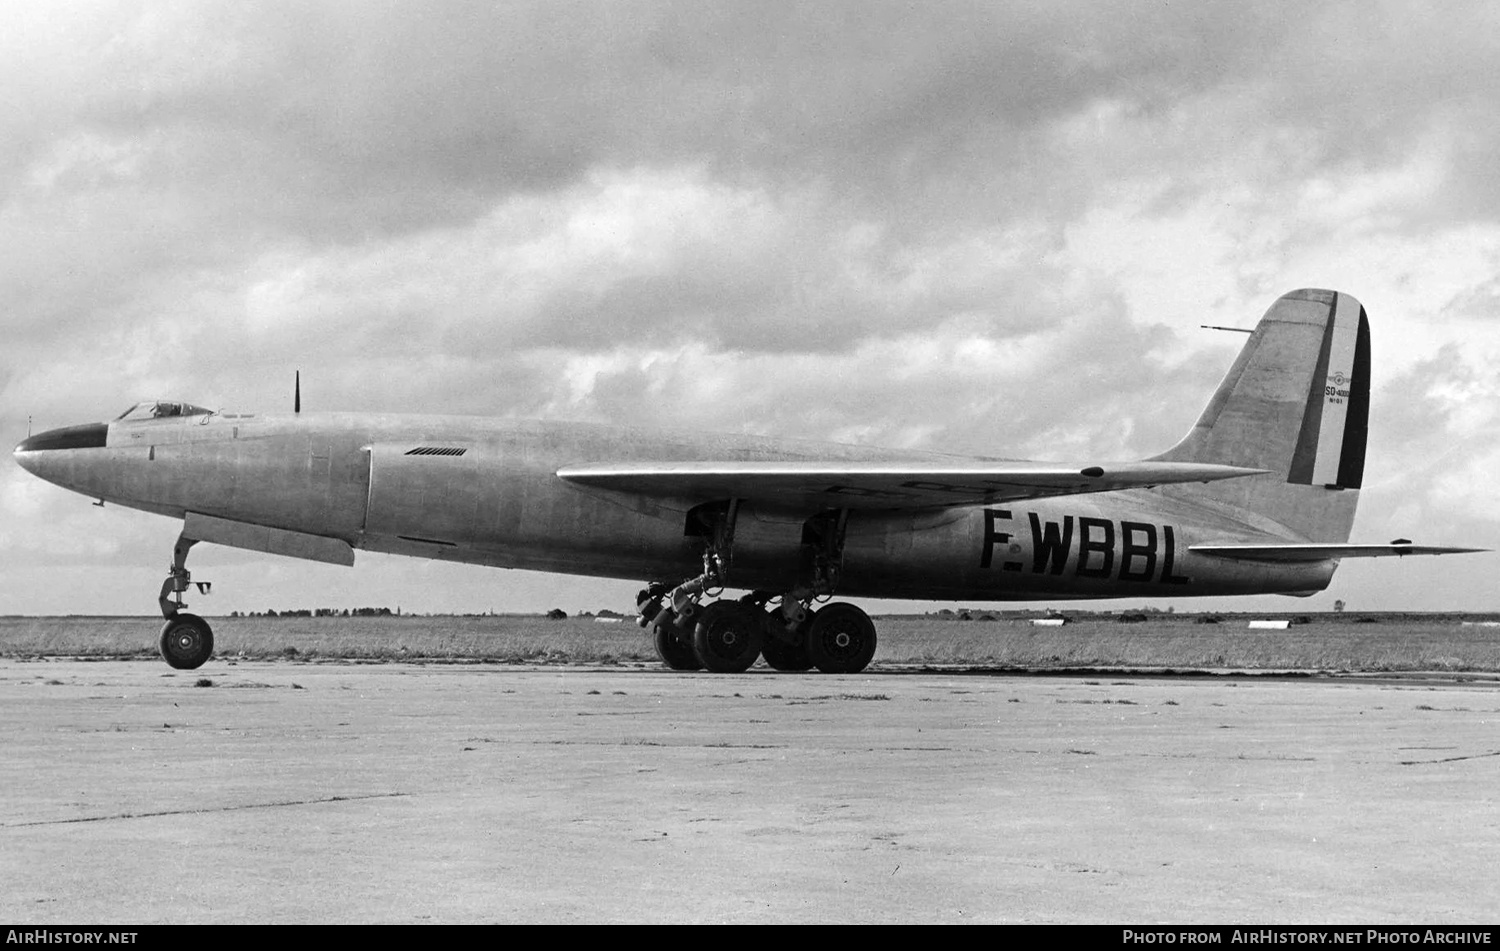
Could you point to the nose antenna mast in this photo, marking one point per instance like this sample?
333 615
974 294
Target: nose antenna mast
297 394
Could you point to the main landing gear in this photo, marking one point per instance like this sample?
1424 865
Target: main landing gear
728 636
187 641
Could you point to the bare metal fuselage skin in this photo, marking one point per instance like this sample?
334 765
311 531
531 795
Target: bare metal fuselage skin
486 491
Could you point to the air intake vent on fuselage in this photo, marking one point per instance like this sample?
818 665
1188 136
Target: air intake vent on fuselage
436 451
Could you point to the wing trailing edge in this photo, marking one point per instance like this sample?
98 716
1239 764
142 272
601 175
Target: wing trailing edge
885 485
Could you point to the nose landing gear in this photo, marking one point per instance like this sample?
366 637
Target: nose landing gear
186 641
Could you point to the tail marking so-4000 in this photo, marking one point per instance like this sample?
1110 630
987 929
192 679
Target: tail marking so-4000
1258 498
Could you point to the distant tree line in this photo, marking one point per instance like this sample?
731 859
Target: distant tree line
320 612
555 614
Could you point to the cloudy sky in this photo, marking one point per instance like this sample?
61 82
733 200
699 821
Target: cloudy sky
964 226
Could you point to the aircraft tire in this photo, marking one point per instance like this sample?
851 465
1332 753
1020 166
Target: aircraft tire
187 642
728 637
841 639
676 653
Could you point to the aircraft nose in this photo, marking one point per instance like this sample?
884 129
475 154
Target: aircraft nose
87 436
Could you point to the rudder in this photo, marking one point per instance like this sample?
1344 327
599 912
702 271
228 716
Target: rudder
1296 402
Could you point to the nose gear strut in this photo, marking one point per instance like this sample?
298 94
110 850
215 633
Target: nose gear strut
178 579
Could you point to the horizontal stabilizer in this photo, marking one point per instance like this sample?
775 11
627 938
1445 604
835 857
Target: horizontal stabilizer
885 485
1317 552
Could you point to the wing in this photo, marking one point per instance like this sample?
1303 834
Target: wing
1316 552
897 485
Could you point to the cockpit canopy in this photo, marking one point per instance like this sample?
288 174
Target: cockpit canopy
161 409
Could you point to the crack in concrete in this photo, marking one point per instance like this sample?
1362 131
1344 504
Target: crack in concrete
1448 759
191 812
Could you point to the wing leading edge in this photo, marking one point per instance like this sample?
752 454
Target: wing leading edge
895 485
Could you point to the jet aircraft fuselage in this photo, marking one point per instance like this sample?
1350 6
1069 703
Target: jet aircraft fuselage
487 491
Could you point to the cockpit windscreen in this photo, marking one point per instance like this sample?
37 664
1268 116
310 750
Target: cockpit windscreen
161 409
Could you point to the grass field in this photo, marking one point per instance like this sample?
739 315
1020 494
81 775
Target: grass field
1327 642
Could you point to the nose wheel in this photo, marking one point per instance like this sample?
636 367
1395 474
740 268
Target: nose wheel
187 641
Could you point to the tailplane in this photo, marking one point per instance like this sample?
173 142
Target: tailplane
1295 403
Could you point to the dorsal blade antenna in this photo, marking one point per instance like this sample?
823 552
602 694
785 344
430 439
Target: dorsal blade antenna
297 394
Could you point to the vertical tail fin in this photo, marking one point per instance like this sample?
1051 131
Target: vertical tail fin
1296 402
